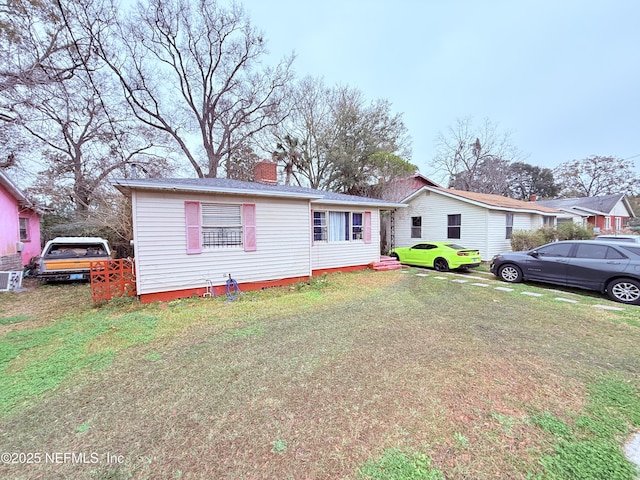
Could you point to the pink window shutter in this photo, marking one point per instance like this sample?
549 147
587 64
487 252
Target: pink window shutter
367 227
193 223
249 226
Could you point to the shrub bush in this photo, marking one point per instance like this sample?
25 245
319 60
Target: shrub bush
549 234
573 231
529 239
526 239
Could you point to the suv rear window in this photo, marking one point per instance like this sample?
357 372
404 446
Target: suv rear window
69 250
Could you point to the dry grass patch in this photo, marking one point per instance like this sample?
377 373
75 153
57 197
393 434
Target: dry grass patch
316 380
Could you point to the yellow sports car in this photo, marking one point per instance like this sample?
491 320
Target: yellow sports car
443 256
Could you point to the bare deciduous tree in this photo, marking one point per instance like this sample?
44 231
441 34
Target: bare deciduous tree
344 143
597 175
36 48
82 142
465 153
491 175
309 122
193 69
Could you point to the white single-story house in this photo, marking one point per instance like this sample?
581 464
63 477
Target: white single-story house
474 220
191 234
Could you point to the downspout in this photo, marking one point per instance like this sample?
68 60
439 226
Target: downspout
134 222
310 241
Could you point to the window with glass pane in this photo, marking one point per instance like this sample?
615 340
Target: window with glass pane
555 250
24 229
221 225
416 227
319 226
509 225
356 229
454 225
338 226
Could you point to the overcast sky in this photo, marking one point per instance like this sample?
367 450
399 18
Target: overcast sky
562 76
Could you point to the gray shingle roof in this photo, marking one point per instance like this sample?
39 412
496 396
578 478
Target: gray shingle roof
603 204
225 185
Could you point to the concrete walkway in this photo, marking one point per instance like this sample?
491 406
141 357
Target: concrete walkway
488 279
632 450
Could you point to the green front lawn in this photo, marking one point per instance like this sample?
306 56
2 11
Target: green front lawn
369 375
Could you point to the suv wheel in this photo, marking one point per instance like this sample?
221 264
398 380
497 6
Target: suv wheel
510 273
624 290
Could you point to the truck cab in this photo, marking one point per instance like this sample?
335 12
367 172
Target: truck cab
68 258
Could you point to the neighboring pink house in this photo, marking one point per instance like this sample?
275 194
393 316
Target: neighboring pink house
19 227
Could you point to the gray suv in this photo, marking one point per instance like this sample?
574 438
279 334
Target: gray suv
607 267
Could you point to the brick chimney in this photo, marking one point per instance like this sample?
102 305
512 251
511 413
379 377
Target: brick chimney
266 172
533 197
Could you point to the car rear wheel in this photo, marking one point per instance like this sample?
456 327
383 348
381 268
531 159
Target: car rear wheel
624 290
441 265
510 273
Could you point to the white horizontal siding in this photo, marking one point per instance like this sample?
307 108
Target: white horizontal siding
434 210
283 237
497 226
482 228
497 240
619 210
325 255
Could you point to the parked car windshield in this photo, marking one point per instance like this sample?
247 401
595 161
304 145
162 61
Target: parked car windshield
455 246
69 250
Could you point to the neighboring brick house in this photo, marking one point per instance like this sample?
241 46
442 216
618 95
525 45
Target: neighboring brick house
607 213
19 227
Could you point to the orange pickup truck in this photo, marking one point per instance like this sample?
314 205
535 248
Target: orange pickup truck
68 258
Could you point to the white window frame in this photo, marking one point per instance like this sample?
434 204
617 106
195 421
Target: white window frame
23 227
456 227
320 226
354 226
508 221
416 230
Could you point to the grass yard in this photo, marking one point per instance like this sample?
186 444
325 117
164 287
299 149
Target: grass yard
368 375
